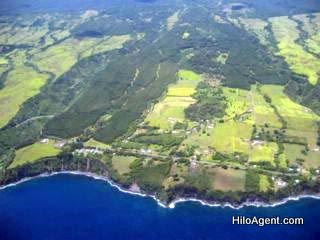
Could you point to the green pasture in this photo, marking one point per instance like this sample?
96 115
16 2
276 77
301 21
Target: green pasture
122 163
228 179
300 61
34 152
22 83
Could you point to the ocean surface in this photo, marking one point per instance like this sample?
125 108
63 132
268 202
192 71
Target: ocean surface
69 207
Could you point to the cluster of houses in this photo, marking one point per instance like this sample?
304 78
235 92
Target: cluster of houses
57 143
86 151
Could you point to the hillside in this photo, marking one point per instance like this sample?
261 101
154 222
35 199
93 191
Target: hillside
212 99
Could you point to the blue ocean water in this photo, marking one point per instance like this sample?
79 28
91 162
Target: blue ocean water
77 207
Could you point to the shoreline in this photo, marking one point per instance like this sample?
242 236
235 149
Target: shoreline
172 204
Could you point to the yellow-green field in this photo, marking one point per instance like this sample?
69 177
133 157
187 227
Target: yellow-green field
228 179
122 163
3 61
34 152
227 137
294 152
283 161
301 120
286 106
251 105
183 88
312 27
263 113
263 152
300 61
22 83
238 102
60 58
23 35
95 144
231 136
171 109
264 183
184 74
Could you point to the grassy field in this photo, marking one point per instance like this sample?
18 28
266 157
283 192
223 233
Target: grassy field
61 57
300 61
252 105
184 74
22 83
231 136
283 161
169 111
263 113
3 61
33 153
313 43
106 44
122 163
301 121
171 108
95 144
25 34
263 152
238 102
228 179
264 183
312 27
184 88
295 151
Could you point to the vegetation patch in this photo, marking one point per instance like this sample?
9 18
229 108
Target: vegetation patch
301 121
96 144
252 183
302 62
210 103
299 155
22 83
34 152
166 139
171 109
150 177
264 183
228 179
122 163
263 153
